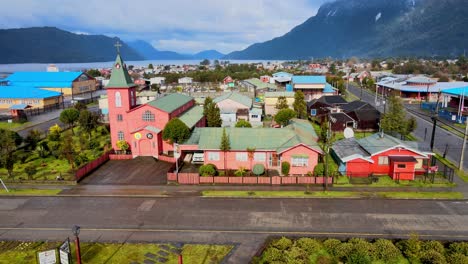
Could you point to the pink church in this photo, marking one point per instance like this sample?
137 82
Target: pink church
141 125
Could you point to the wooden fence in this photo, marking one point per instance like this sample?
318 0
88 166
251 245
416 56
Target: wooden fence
195 179
120 157
86 169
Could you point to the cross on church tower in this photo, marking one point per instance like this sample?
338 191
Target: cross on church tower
118 45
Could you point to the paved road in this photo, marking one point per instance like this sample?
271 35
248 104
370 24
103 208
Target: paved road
423 131
45 121
246 222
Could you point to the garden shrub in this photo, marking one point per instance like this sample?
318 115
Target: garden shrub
343 250
432 257
386 251
325 260
207 170
459 247
30 169
331 245
285 167
410 248
295 255
258 169
358 258
309 245
432 245
282 243
241 172
457 258
319 169
272 255
362 246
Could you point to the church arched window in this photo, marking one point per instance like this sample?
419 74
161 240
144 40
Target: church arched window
118 99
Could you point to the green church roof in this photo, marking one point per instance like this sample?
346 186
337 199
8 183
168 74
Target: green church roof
170 102
120 77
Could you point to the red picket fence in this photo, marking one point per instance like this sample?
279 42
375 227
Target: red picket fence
194 179
86 169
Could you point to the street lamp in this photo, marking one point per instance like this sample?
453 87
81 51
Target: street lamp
76 232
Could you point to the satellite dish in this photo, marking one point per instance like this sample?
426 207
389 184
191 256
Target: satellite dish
348 132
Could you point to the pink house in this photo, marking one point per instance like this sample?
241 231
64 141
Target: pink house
381 154
141 125
296 144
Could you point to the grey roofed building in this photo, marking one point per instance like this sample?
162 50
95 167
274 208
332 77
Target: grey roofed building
349 149
365 148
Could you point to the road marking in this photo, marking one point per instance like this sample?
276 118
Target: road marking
304 233
146 206
448 209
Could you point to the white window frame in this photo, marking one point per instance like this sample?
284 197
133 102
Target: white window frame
241 156
118 99
120 135
383 160
300 161
260 156
213 156
148 116
119 117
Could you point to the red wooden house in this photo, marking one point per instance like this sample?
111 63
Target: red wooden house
381 154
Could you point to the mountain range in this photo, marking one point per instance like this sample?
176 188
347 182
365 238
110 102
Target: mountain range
340 29
53 45
150 53
372 28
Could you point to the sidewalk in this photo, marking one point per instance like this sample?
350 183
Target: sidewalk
195 190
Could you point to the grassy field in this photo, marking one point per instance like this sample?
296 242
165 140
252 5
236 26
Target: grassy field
6 125
462 174
49 167
98 253
31 192
334 194
386 181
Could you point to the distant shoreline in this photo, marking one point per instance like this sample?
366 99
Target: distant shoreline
9 68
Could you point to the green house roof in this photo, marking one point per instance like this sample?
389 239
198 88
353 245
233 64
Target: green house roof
259 84
120 77
170 102
236 97
277 139
192 116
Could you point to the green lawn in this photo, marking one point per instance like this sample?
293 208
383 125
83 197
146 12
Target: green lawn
31 192
98 253
462 174
49 167
386 181
10 126
333 194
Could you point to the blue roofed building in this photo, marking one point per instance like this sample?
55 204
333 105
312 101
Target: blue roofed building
313 87
14 97
68 83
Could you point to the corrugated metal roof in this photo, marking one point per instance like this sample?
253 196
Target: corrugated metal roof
44 76
19 106
192 116
278 94
170 102
461 91
259 84
277 139
282 74
308 79
236 97
25 92
329 89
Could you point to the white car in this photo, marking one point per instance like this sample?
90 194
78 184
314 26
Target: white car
198 158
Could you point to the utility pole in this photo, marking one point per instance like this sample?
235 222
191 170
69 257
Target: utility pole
434 122
327 150
462 156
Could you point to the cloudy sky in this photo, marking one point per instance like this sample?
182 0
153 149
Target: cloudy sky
185 26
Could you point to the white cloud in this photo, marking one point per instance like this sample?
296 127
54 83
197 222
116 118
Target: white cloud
176 24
